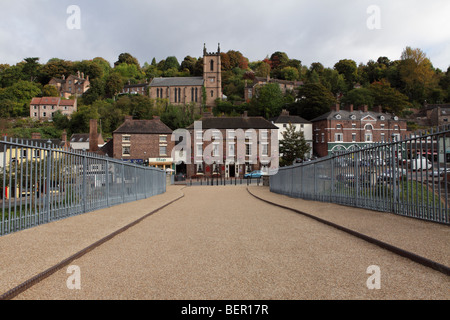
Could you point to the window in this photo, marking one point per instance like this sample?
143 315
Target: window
339 126
211 65
250 93
339 137
382 126
353 137
200 168
162 150
265 149
231 149
368 137
383 137
199 150
126 138
248 149
212 94
126 151
323 137
162 139
353 125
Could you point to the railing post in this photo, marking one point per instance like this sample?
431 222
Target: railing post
47 184
84 183
107 182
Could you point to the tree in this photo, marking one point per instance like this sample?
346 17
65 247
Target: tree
313 100
290 73
269 100
292 146
171 63
389 98
113 85
416 71
359 97
50 91
127 59
348 69
31 68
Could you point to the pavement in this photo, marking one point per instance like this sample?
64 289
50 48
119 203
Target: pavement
222 243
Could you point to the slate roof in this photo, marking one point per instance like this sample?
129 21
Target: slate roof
177 82
80 137
154 126
288 119
235 123
346 115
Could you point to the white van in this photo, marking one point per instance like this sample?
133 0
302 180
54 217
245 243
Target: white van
420 163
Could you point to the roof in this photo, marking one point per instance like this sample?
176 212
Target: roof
80 137
288 119
52 101
177 81
235 123
154 126
358 115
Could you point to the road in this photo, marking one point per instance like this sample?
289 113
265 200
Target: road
221 243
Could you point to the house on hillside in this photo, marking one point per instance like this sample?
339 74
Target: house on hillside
44 108
73 85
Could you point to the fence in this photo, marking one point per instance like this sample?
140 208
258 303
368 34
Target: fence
43 183
410 177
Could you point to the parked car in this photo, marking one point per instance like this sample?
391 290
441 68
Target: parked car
389 174
254 174
438 173
180 176
419 163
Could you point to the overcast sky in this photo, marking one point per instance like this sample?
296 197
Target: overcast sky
311 31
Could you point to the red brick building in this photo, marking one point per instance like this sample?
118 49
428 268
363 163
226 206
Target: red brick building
140 141
344 130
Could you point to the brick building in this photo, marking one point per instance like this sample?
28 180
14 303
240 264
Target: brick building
140 141
221 154
137 88
285 86
45 107
345 130
74 85
184 90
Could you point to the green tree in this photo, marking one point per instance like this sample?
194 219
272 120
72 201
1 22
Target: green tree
313 100
50 91
31 68
113 85
127 59
171 63
348 69
292 146
269 100
389 98
290 73
359 97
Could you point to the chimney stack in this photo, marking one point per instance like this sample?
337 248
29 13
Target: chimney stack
336 107
350 108
93 136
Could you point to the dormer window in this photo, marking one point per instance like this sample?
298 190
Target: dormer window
395 118
382 118
353 117
338 116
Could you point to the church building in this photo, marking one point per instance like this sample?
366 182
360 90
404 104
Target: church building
185 90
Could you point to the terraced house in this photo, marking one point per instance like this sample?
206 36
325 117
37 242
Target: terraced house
44 108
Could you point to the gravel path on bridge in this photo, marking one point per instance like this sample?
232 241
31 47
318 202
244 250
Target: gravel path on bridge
222 243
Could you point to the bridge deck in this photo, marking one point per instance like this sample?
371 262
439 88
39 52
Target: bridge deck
223 243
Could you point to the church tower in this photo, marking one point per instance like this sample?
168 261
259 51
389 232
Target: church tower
212 76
